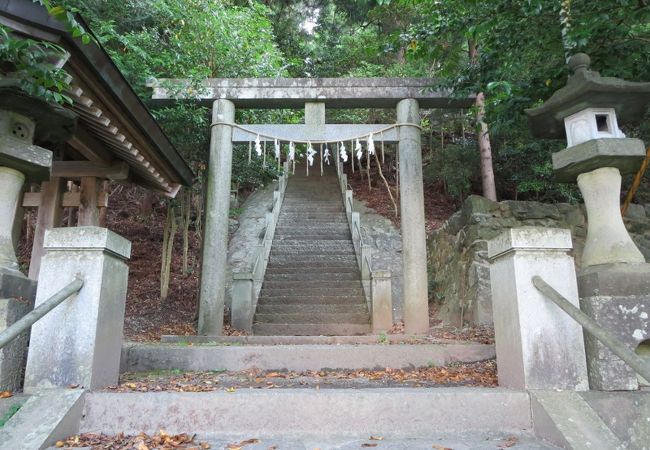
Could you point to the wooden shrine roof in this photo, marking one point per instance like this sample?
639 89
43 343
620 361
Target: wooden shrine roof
115 129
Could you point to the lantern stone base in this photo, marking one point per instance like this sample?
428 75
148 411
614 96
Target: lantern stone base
16 299
625 154
618 298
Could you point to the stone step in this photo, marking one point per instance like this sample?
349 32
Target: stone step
314 317
310 413
332 236
307 282
214 355
320 228
311 290
310 329
300 299
312 260
313 270
316 276
279 248
307 308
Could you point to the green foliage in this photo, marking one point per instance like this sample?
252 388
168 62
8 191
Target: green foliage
254 174
30 64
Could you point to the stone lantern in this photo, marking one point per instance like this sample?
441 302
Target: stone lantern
614 281
23 121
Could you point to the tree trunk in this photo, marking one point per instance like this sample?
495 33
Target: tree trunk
186 208
167 251
483 138
146 206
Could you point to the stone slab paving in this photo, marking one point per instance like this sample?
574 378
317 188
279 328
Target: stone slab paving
473 442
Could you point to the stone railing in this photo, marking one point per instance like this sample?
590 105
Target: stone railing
247 283
376 283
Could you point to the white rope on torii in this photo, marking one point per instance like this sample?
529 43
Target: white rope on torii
368 137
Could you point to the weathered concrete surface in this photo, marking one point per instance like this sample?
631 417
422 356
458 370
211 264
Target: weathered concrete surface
296 414
17 295
385 241
414 243
627 414
294 92
212 293
249 235
538 345
565 419
46 417
79 342
617 297
624 154
300 340
461 441
382 302
147 357
608 241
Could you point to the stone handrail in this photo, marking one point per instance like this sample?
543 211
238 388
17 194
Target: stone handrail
377 283
246 284
39 312
617 347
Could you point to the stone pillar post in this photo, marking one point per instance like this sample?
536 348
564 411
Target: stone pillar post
607 239
215 242
538 345
11 184
80 341
382 301
414 244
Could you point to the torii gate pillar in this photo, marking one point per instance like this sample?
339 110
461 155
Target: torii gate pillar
217 205
414 244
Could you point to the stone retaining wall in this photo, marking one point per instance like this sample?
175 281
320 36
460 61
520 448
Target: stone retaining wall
459 275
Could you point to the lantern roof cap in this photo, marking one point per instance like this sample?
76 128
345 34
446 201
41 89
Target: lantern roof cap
587 89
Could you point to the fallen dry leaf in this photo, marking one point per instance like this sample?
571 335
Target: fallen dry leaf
509 442
440 447
6 394
369 445
376 438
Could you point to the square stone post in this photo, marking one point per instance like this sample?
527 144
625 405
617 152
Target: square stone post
414 243
382 301
212 294
80 341
538 345
242 301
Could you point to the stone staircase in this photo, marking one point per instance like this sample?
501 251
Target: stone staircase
312 284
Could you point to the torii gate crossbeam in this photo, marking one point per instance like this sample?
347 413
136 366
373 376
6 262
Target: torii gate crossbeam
404 94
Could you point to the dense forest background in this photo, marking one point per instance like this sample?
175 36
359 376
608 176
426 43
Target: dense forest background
513 51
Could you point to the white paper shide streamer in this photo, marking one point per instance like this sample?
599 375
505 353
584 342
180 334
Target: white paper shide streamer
277 149
326 155
371 145
258 147
358 150
310 155
292 151
342 153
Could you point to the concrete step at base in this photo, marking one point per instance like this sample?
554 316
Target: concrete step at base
140 357
325 299
309 413
323 227
310 329
324 318
310 308
308 283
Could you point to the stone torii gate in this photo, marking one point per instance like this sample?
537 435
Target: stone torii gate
407 95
